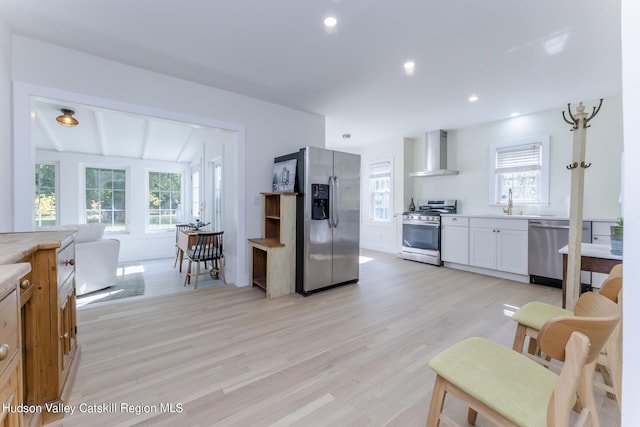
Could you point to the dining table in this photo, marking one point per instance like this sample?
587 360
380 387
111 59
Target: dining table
186 240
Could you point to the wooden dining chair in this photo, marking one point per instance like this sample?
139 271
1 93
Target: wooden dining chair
179 227
533 315
510 389
208 248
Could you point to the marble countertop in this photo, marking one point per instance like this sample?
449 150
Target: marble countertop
593 250
16 246
10 273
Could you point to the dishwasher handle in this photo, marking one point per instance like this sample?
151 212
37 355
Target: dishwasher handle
555 227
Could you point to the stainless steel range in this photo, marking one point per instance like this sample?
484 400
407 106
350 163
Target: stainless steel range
421 230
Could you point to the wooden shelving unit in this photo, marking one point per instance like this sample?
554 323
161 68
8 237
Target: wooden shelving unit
273 261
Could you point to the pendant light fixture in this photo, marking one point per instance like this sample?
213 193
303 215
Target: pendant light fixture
67 119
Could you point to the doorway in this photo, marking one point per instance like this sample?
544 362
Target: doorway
24 160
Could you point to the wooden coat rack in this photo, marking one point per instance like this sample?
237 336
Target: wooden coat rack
580 123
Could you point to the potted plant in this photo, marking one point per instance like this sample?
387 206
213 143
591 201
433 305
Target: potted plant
616 237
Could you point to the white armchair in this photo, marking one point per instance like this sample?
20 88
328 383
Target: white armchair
96 257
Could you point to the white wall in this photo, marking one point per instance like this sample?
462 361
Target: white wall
268 130
631 314
379 236
468 152
6 167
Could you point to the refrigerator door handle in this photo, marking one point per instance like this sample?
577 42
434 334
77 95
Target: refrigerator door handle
336 197
330 220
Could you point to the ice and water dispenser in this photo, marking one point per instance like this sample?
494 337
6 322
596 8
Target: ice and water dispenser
320 201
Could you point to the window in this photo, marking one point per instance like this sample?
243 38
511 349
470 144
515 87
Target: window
217 195
522 167
380 191
165 196
105 197
195 193
45 197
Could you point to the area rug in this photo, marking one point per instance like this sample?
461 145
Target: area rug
129 285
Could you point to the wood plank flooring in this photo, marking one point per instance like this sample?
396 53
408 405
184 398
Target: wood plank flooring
351 356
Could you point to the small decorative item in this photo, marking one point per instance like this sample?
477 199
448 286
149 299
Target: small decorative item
616 237
198 225
284 176
412 206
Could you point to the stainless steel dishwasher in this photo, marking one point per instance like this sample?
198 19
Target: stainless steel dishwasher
546 237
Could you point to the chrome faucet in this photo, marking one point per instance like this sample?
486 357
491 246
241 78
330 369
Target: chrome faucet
509 209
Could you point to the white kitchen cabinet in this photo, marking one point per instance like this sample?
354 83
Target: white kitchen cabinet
499 244
455 239
600 235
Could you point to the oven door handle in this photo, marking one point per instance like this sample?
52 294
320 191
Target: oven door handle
418 222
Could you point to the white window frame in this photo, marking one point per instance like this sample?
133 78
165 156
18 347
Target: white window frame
56 166
179 212
371 193
196 193
543 199
127 194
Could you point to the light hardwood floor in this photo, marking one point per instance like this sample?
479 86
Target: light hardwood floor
351 356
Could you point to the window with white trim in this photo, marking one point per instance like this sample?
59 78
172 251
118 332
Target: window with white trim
105 198
165 198
46 184
522 167
380 191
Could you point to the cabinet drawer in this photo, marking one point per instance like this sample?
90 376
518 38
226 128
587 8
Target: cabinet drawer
601 239
66 261
601 228
9 327
10 395
460 221
502 224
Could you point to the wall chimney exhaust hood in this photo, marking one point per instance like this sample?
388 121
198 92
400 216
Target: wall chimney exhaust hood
435 155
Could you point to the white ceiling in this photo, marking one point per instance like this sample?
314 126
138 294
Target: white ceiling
517 56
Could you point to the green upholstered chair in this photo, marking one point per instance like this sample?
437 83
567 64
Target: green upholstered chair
510 389
533 315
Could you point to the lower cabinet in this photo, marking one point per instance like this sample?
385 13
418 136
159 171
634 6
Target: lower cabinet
40 314
11 384
499 244
455 239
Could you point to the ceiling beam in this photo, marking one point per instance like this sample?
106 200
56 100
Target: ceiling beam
101 133
47 129
186 144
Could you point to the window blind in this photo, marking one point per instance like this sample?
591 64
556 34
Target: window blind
519 157
380 169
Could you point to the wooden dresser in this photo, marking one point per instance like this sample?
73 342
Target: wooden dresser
47 319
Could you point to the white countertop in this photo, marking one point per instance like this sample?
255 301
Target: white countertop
541 217
594 251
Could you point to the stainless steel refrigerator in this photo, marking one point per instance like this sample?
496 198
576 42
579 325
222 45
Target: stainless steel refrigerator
328 218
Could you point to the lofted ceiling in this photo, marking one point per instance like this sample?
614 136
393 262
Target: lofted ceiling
516 56
114 133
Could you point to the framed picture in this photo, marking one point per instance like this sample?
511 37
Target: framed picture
284 176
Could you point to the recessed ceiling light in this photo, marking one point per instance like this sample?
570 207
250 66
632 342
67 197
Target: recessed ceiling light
409 67
330 21
473 98
515 114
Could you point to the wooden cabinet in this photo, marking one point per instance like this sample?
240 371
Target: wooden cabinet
11 381
273 260
455 239
47 317
499 244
